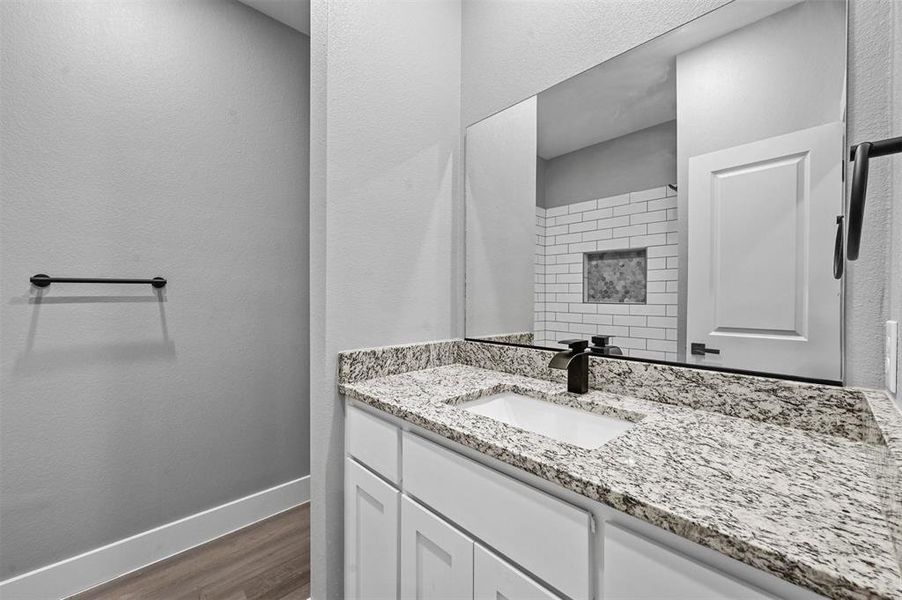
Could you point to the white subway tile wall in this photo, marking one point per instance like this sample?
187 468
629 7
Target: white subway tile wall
641 219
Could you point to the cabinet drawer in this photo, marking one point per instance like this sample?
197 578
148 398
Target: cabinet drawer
544 535
374 442
636 567
494 578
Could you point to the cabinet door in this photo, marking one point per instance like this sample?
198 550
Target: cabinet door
542 534
636 568
494 579
436 559
371 535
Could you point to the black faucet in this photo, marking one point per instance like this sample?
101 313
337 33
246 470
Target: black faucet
576 360
601 345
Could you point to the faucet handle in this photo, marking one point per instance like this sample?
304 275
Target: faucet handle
601 344
602 340
576 345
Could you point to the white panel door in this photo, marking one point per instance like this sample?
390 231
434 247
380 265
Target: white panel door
436 559
371 535
762 221
495 579
636 568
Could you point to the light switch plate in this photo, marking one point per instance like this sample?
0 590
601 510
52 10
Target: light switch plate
892 344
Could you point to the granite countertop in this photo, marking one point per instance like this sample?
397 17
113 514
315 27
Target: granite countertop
802 505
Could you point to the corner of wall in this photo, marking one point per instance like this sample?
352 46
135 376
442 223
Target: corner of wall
895 270
323 575
868 287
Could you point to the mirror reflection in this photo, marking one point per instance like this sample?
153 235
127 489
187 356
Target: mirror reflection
681 198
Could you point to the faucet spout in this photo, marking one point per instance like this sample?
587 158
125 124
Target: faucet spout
561 360
576 362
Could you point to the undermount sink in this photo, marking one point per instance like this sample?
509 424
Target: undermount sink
563 423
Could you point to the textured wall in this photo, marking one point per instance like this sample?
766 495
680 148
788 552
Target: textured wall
501 208
867 281
512 50
386 148
295 13
148 138
895 272
637 161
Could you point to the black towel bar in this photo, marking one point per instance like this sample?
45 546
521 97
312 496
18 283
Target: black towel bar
42 280
861 154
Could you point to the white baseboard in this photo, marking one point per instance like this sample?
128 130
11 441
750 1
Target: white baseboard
106 563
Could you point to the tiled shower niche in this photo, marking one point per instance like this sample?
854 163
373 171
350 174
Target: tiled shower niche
643 220
615 276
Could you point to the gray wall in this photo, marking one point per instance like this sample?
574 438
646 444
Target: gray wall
895 271
890 44
384 221
512 50
148 138
867 281
774 88
637 161
541 166
501 221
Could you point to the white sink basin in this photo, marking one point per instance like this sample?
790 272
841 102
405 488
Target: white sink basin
563 423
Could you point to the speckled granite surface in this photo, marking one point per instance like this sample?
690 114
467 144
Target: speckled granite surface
823 409
807 504
889 470
367 363
819 408
525 338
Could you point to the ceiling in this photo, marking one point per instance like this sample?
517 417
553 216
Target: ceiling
634 90
294 13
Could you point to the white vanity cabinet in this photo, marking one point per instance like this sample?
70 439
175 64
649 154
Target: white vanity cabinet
436 558
371 534
550 538
637 568
494 579
412 535
439 562
375 443
424 521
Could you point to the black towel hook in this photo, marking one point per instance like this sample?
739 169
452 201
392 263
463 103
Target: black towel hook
861 154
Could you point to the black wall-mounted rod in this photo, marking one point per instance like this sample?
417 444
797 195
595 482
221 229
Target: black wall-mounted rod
857 199
881 148
861 154
42 280
838 262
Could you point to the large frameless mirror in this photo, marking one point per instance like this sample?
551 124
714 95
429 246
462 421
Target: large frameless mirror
677 203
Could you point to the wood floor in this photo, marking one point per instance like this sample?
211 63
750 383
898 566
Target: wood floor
269 560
